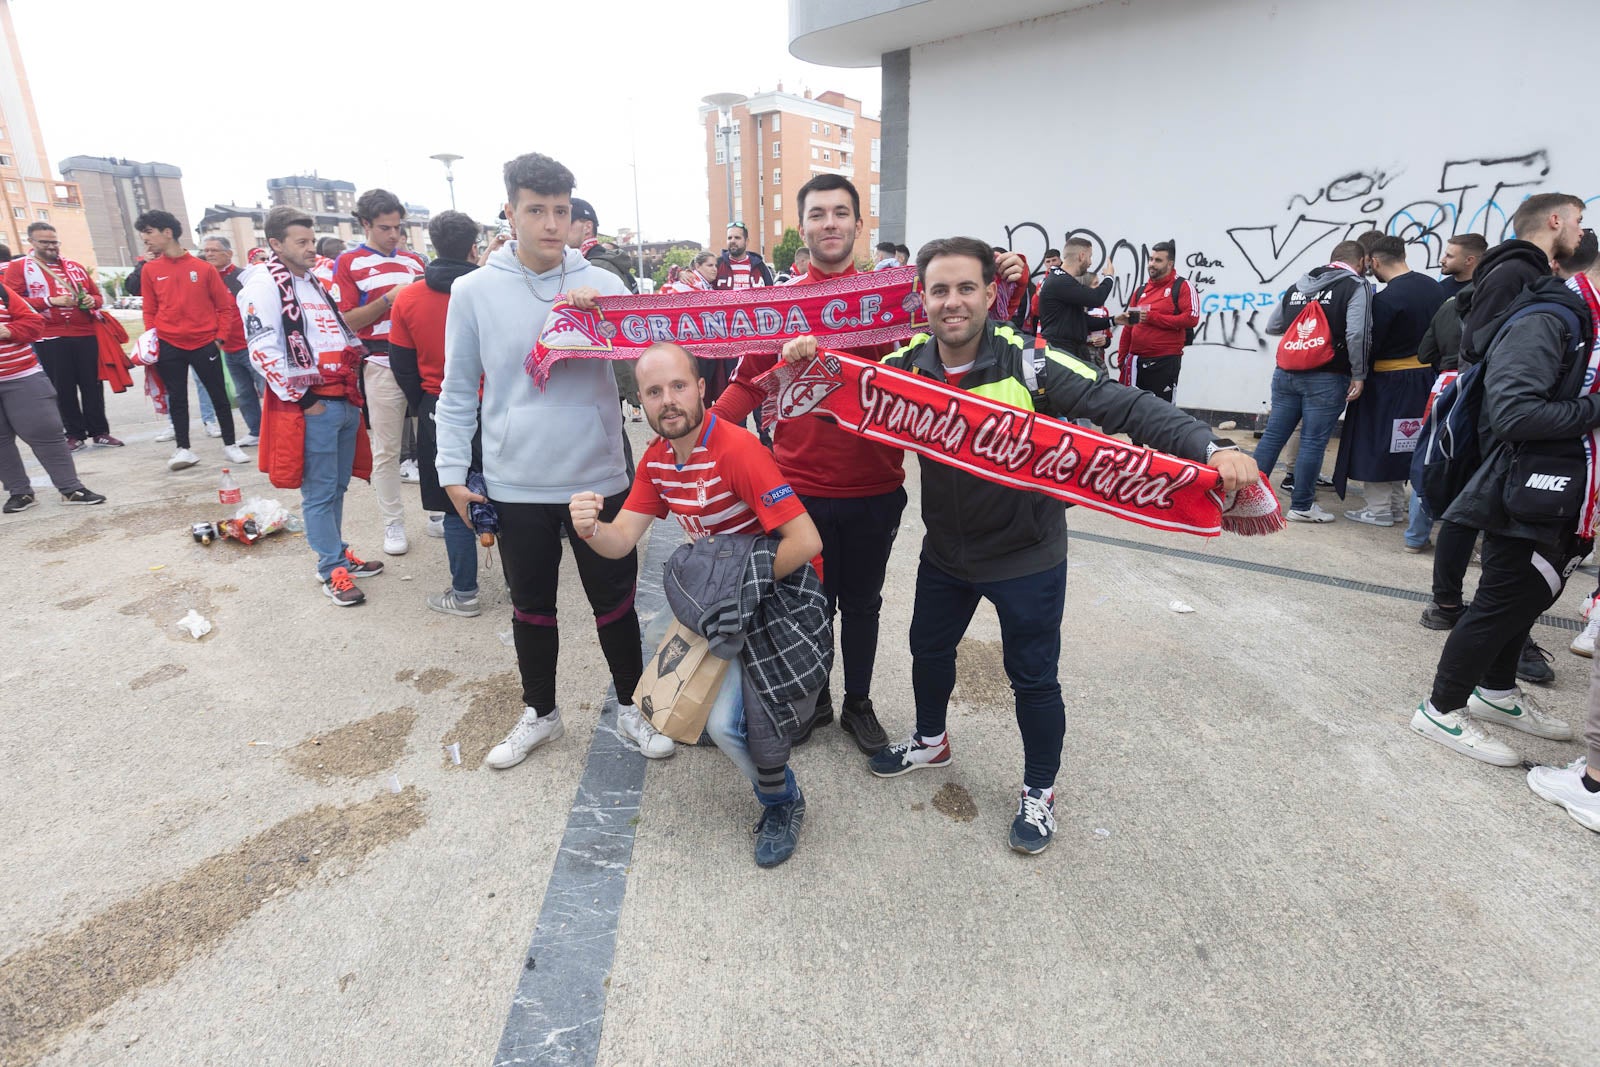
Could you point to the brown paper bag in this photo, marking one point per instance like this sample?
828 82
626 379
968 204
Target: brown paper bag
680 684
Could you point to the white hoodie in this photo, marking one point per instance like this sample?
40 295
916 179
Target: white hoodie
539 447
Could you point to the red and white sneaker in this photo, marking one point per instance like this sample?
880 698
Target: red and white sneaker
341 589
910 755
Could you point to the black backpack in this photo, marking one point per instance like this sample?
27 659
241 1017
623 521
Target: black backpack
1188 335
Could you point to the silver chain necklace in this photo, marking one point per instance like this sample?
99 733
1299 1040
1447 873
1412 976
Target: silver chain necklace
527 279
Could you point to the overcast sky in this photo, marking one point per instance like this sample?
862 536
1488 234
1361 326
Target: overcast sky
236 93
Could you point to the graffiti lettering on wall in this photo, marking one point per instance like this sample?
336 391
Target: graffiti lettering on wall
1239 288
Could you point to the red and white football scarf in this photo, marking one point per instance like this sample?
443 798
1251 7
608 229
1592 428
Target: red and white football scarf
1580 284
884 307
1011 446
65 278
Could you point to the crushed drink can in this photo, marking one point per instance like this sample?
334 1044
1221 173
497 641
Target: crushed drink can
204 532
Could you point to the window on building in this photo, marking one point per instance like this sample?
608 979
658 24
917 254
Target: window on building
736 127
19 212
44 216
6 161
777 227
12 187
777 176
813 127
777 149
827 156
759 124
874 237
736 155
827 130
874 200
814 152
877 150
775 119
721 157
777 202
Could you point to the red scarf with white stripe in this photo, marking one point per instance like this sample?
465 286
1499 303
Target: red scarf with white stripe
1580 284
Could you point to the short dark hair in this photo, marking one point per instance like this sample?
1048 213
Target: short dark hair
38 227
971 247
741 227
375 202
280 218
884 246
1389 249
159 220
1367 239
1583 257
902 248
1349 252
5 253
1534 210
822 183
1169 246
1055 253
453 234
1473 244
324 243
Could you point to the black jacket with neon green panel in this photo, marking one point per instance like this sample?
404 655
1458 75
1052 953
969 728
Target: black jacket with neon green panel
980 531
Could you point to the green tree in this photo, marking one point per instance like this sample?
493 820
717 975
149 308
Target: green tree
675 257
783 255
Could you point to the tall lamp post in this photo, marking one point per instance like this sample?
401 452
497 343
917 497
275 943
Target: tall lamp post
725 103
448 158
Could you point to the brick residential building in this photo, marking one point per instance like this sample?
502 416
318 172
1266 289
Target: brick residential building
779 141
28 191
118 191
320 196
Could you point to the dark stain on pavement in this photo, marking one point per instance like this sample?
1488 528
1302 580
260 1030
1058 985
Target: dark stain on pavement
432 680
156 675
58 983
355 750
954 800
492 709
74 603
166 600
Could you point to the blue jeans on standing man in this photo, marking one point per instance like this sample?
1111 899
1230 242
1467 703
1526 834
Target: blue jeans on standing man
1314 400
330 453
243 375
462 549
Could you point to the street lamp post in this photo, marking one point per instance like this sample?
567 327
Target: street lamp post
725 103
448 158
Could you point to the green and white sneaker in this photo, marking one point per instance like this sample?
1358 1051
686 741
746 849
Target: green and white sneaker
1453 729
1521 712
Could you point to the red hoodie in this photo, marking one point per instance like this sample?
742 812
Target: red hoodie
817 457
1160 330
187 305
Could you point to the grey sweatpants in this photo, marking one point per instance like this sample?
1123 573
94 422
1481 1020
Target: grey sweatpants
1591 728
28 410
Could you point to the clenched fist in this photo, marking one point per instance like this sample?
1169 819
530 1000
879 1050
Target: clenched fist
585 510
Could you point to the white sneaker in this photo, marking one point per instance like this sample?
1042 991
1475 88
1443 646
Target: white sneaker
1312 514
212 429
168 434
394 539
1368 517
182 458
249 440
408 471
1455 730
1583 644
235 454
652 743
1522 712
435 527
529 733
1564 786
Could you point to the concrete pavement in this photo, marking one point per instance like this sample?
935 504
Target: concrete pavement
1257 860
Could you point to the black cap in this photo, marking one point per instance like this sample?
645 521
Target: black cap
582 210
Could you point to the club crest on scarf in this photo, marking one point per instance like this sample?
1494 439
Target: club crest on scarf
809 388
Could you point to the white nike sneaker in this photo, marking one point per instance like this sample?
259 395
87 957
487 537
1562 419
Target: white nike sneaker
1583 644
1453 729
394 539
1312 514
249 440
631 723
1564 786
529 733
409 471
212 429
168 434
182 458
235 454
1521 712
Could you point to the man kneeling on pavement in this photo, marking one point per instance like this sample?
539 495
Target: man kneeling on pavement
719 481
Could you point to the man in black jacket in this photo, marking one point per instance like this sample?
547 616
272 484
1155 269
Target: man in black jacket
987 541
1537 409
1064 303
583 233
1548 226
738 267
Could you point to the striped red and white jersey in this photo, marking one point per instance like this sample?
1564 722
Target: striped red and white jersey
25 326
729 485
323 269
363 274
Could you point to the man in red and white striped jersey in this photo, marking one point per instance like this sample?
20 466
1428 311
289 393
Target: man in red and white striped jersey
28 410
366 279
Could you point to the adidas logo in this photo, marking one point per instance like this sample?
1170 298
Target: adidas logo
1305 328
1304 344
1553 483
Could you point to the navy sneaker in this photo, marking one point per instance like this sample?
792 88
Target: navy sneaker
1035 823
1534 664
910 755
778 830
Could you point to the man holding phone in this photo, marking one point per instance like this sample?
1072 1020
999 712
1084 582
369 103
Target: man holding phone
1159 322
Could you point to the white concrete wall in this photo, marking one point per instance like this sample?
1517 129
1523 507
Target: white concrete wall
1257 134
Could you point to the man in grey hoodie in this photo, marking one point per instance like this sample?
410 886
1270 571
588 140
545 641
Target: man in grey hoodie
540 446
1317 396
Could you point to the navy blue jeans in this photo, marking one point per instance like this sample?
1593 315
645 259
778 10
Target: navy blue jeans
1030 610
857 537
1314 400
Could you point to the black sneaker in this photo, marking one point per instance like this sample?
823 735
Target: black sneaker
1288 482
1534 665
19 502
82 496
861 722
823 717
1035 823
778 831
1436 618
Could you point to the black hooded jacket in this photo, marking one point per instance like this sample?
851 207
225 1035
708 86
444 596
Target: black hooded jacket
1505 270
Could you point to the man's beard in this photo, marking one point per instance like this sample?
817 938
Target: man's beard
694 418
